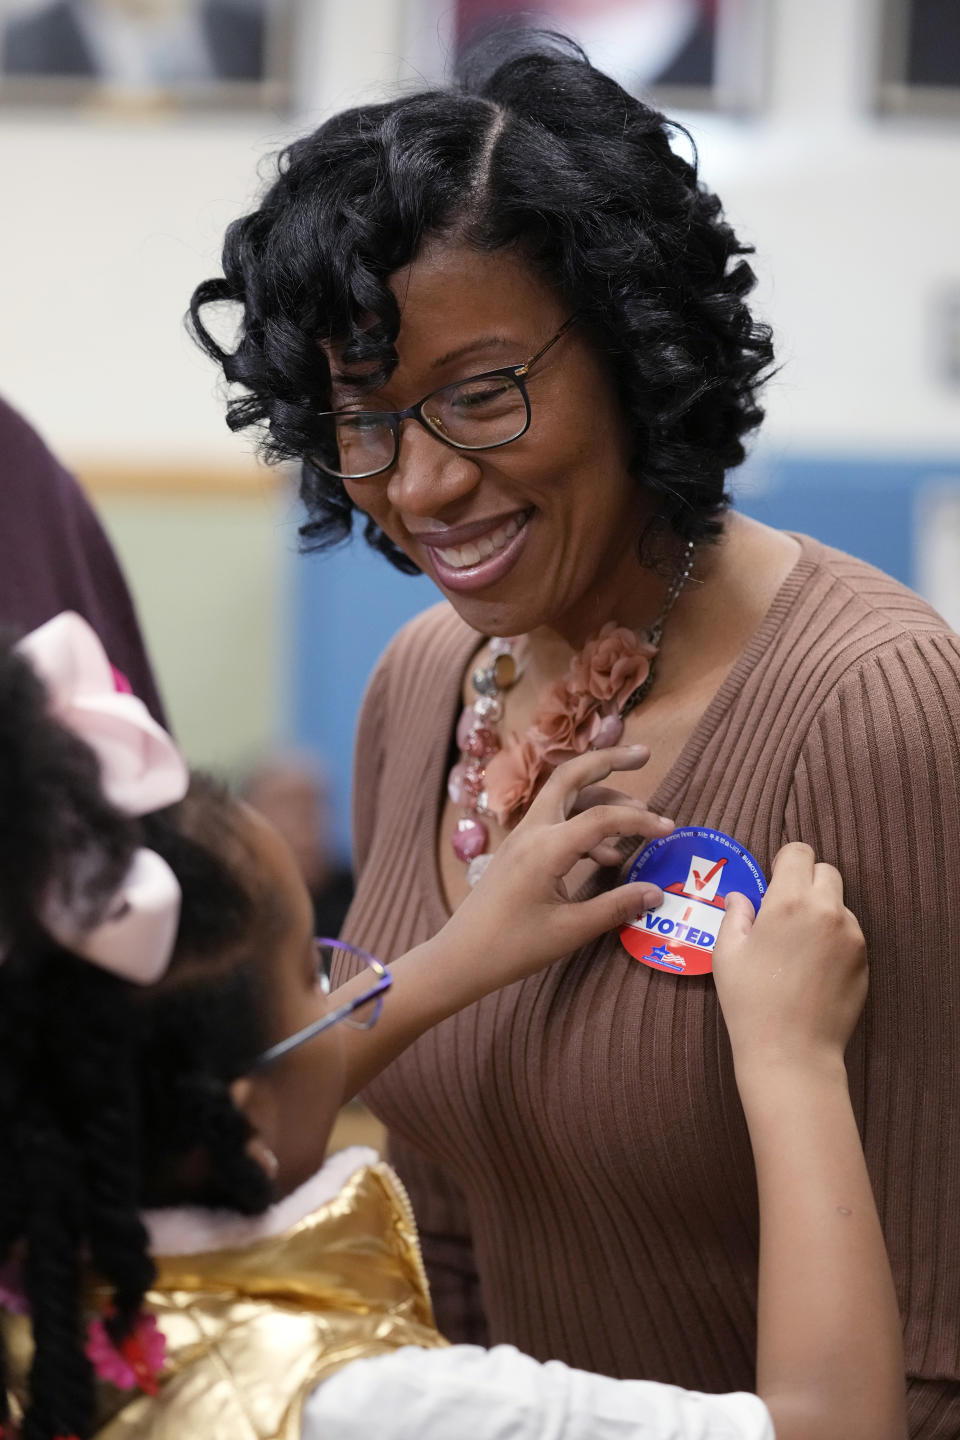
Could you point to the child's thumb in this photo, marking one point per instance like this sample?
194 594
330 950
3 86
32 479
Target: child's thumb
611 909
738 919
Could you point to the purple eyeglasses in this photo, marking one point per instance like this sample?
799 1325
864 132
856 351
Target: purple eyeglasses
360 1013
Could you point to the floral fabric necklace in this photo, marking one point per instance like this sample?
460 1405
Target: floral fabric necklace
585 710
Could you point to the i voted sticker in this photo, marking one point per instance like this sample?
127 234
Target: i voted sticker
695 868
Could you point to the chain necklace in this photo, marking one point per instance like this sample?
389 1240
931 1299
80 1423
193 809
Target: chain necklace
584 711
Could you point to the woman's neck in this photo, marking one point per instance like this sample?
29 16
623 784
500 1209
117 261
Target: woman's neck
732 583
633 596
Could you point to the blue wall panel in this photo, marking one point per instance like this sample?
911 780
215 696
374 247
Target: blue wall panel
863 506
347 605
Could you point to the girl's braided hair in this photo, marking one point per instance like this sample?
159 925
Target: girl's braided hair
110 1094
531 150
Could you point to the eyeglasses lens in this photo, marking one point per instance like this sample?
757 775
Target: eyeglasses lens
335 966
364 444
477 414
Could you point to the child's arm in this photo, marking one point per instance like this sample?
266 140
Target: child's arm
792 985
518 919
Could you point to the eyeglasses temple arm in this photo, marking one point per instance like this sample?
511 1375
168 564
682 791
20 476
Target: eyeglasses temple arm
523 369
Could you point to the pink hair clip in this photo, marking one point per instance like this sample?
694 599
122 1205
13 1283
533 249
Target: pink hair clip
141 770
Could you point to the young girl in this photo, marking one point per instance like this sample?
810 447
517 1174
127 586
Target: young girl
165 1044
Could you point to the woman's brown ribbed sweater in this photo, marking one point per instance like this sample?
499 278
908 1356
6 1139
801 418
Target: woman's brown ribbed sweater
592 1166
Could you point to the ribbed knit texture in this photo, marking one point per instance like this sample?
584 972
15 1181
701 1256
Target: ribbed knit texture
592 1164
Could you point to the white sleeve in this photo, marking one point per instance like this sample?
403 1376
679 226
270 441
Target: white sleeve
499 1394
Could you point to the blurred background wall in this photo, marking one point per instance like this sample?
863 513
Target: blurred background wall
110 214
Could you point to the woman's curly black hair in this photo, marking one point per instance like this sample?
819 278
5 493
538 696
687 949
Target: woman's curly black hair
108 1091
531 148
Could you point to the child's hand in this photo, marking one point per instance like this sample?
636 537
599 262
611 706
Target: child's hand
791 982
520 916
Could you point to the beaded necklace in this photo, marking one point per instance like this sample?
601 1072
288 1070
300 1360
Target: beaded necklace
605 681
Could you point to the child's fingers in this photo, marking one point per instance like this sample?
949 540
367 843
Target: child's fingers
828 878
737 921
792 865
576 837
556 799
592 795
607 855
611 909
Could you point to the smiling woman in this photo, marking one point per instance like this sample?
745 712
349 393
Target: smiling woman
574 1145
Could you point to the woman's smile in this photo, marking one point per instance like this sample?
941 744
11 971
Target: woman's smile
473 561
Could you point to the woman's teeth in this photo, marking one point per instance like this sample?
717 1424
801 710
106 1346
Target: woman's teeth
460 557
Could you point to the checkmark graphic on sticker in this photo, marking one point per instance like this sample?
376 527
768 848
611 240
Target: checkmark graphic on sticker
704 877
702 881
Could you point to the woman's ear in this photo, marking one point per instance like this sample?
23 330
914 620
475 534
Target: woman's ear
248 1099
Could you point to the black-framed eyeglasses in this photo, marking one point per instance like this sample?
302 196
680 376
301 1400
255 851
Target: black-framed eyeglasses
482 412
360 1013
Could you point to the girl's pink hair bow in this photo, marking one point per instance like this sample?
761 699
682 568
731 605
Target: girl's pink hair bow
141 770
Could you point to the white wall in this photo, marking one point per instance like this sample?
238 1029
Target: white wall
108 223
857 225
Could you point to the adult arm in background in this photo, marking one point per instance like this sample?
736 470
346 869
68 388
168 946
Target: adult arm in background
877 793
55 556
438 1202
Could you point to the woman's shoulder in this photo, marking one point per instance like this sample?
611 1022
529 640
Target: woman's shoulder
420 668
424 655
842 643
874 603
854 642
433 636
836 617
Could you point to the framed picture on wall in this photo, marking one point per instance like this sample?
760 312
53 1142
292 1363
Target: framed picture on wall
146 54
920 57
678 54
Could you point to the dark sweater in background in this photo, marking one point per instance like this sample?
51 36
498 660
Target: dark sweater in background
55 556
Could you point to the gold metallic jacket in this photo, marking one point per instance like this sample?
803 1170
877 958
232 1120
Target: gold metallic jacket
252 1330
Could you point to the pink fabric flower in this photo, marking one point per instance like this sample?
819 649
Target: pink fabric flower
580 710
555 723
612 665
513 777
600 727
136 1362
